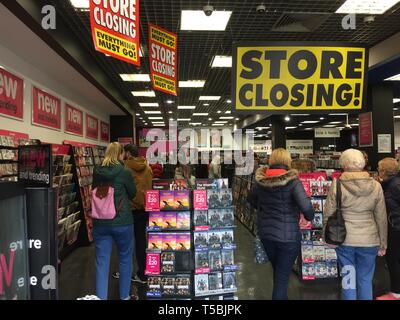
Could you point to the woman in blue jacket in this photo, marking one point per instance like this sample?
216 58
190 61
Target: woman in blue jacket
279 198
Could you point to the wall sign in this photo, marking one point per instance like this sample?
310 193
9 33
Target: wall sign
278 77
300 146
104 131
34 165
163 47
384 143
92 127
264 146
327 133
73 120
11 95
365 129
115 28
46 109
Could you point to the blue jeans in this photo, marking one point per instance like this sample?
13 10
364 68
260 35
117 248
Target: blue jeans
103 238
282 256
357 267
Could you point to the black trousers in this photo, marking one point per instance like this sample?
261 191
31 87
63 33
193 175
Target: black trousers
140 218
393 259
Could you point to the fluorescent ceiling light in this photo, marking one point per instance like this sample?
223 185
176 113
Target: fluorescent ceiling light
209 119
149 104
300 114
229 101
135 77
335 122
354 124
395 100
228 118
170 112
222 62
186 107
196 20
206 104
156 118
80 4
218 121
144 93
340 128
169 101
309 122
309 129
138 114
141 54
195 123
158 122
338 114
184 119
200 114
237 119
397 117
219 111
192 84
210 98
217 124
366 6
329 126
394 78
159 125
262 128
288 128
228 112
152 112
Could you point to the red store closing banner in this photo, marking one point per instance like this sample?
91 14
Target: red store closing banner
104 131
92 127
46 109
11 95
73 120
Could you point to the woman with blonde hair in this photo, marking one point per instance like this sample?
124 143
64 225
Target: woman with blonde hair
364 213
120 229
279 198
388 170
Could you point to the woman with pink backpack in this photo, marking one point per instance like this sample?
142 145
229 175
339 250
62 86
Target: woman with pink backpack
113 187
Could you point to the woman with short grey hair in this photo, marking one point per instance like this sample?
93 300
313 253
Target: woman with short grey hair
364 213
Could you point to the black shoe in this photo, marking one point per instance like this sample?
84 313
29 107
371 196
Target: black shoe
141 280
115 275
132 297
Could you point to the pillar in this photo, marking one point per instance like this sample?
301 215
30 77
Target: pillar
278 132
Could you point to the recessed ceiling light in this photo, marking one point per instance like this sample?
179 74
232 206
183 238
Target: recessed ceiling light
322 118
156 118
149 104
138 114
170 112
237 119
200 114
186 107
192 84
228 118
394 78
228 112
153 112
171 119
395 100
329 126
217 124
169 101
80 4
210 98
219 111
209 119
366 7
196 20
206 104
300 125
309 122
229 101
136 77
144 93
287 118
184 119
222 62
335 122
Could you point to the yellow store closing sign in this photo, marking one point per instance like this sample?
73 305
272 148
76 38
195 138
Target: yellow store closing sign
281 77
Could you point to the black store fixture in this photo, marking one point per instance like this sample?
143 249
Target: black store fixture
13 234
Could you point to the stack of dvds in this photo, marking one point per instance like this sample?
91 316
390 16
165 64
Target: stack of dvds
8 159
215 271
168 258
318 261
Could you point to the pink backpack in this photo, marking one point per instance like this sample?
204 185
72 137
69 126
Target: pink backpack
103 206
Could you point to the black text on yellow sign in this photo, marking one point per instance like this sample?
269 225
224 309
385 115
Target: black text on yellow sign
301 77
117 46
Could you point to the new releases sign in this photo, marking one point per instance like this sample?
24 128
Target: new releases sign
11 95
46 109
92 127
115 28
34 165
104 131
163 46
73 120
278 77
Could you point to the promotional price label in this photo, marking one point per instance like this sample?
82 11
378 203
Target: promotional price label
152 264
73 120
92 127
152 200
200 200
11 95
46 109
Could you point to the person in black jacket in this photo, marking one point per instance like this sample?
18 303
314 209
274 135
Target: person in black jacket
388 170
279 198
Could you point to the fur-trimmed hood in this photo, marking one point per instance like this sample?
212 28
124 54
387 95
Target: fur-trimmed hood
275 181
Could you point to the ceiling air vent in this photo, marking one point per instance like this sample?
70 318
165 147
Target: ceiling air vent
299 22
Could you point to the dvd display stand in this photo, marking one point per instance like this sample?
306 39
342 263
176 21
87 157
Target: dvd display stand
317 261
169 255
214 243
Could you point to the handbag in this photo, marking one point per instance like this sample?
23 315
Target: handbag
335 231
260 256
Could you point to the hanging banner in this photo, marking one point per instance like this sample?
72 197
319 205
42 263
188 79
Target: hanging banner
73 120
11 95
46 109
115 28
327 133
104 131
276 77
92 127
163 48
365 130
